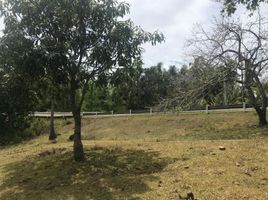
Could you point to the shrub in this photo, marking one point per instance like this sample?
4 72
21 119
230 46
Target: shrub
34 128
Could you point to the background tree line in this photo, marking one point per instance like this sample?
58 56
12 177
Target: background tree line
139 88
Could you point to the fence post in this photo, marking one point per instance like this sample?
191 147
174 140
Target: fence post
130 112
112 112
244 106
207 107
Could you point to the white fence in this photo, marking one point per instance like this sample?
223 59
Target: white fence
205 109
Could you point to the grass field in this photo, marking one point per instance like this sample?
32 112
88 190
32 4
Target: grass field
143 157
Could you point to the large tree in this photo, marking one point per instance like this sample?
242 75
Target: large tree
247 46
86 36
18 72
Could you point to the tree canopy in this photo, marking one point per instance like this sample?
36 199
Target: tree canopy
80 39
246 45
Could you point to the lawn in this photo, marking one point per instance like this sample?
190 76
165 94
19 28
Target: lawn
143 157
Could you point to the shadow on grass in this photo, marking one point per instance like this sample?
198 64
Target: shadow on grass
107 174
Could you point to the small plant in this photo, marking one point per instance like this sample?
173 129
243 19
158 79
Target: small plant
38 127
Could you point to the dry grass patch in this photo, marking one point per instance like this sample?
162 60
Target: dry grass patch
140 157
135 170
223 126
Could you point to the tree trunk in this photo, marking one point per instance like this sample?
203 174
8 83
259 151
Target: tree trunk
261 114
262 117
78 146
11 118
261 111
76 110
52 134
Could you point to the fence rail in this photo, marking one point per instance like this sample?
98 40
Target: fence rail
218 107
150 111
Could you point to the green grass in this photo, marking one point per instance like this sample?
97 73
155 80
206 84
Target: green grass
143 157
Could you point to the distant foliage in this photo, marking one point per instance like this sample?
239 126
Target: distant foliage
230 6
133 87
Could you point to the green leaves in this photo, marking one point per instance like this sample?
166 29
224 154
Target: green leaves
86 32
71 41
230 5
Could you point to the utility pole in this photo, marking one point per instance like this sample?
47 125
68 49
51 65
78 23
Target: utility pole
225 93
243 85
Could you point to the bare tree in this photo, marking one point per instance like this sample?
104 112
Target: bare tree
244 43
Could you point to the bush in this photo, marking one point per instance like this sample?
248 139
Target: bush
39 127
35 127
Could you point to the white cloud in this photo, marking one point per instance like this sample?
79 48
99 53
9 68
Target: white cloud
175 19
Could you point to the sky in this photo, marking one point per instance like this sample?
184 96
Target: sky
175 19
